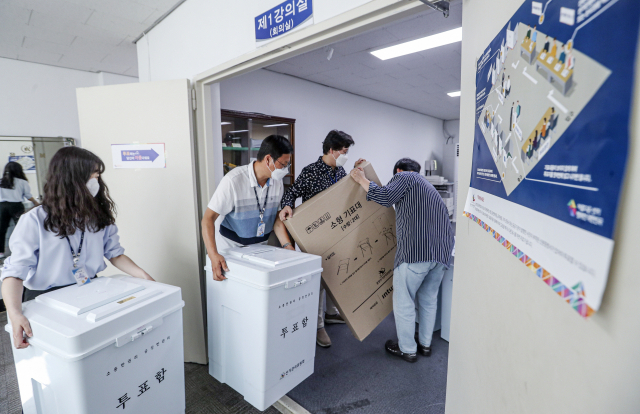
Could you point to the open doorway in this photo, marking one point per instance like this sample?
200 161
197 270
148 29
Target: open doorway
401 107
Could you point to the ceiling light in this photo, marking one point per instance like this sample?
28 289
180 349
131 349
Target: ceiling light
274 125
242 130
453 94
418 45
225 123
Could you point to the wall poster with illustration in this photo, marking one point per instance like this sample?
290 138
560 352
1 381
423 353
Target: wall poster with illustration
553 108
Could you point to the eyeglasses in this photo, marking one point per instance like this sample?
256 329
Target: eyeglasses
284 166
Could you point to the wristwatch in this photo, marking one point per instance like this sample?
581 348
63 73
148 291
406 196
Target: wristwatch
286 244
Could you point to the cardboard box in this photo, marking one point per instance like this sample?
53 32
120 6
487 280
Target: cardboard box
357 241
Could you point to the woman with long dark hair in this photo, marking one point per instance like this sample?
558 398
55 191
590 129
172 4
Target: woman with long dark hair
65 240
14 188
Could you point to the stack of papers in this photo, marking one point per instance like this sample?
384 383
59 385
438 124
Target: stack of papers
565 73
550 59
557 67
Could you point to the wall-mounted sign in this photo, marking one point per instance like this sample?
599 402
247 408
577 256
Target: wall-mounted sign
28 162
138 156
285 17
551 140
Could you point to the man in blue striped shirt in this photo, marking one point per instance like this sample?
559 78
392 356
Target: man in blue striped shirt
425 243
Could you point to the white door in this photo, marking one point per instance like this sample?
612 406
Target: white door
158 215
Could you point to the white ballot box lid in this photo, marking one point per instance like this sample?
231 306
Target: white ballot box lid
77 321
267 267
77 300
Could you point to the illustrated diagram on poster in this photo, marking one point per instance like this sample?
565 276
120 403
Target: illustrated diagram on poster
553 99
138 156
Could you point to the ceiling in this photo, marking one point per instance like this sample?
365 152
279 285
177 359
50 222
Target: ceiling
418 82
91 35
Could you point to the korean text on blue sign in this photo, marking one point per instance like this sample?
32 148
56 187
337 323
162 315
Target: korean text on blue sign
283 18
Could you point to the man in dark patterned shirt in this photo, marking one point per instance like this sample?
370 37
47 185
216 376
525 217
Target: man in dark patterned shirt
313 179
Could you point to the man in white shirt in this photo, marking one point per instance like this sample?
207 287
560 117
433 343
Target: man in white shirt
247 201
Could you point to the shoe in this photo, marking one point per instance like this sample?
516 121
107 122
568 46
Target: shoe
322 338
423 350
329 319
393 348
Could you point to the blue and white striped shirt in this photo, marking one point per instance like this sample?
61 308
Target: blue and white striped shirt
422 220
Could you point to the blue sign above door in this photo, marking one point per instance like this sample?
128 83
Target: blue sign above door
283 18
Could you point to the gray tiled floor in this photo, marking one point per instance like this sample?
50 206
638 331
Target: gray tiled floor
350 377
360 377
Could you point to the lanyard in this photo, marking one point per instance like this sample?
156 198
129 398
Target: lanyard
333 179
263 208
76 257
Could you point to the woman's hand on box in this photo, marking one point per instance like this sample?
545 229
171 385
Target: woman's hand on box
20 326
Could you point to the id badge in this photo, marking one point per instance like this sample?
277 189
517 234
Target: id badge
261 227
81 276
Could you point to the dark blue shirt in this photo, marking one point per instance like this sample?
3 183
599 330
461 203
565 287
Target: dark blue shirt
422 220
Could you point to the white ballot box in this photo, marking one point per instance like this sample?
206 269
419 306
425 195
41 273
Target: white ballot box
111 346
263 320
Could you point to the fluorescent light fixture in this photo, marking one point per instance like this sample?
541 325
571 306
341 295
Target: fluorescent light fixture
274 125
241 130
225 123
453 94
418 45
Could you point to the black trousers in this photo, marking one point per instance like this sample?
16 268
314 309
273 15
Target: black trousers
8 211
28 294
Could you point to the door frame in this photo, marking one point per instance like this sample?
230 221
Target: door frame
206 85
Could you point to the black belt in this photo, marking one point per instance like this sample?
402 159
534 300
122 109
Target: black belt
232 235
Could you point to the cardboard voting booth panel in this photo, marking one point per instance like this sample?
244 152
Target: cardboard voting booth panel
357 241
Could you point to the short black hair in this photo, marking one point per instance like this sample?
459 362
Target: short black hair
336 140
406 164
276 146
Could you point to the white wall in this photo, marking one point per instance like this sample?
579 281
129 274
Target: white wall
106 78
383 133
452 128
40 100
201 34
516 347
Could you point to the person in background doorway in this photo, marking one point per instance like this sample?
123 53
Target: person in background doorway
14 188
247 201
528 35
425 243
313 179
68 236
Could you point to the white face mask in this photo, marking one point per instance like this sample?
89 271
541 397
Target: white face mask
278 173
341 160
94 186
